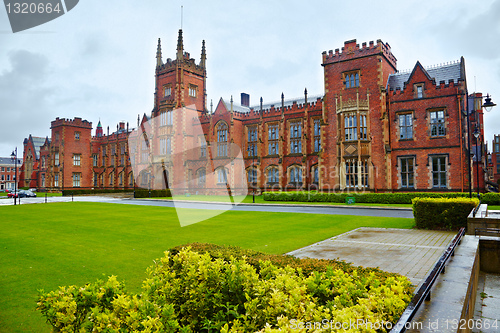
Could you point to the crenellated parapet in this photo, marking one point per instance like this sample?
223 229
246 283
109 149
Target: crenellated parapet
351 50
76 122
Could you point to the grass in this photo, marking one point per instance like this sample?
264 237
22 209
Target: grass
260 200
51 245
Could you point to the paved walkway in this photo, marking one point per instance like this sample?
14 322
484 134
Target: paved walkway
409 252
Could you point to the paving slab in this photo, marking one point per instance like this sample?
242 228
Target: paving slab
409 252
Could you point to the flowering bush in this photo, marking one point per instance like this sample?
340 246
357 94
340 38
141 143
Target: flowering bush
195 292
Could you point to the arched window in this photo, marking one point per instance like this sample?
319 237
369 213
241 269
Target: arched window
315 174
273 175
221 176
201 176
252 176
131 179
222 139
296 175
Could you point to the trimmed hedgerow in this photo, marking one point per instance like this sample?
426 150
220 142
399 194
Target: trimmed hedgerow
93 191
383 198
145 193
194 292
442 213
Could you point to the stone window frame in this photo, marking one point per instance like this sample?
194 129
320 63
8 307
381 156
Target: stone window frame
77 135
398 122
275 176
252 140
446 172
295 135
419 90
300 175
439 124
400 171
273 138
351 79
193 90
316 135
222 136
77 159
167 90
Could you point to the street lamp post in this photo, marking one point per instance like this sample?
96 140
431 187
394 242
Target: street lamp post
13 156
478 153
253 172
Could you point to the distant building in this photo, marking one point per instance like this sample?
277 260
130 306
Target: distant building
8 172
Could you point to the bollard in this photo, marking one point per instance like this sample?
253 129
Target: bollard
45 197
71 196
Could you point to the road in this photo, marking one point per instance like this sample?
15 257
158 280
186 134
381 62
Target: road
286 208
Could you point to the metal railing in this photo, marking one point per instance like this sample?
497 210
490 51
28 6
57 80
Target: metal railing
424 292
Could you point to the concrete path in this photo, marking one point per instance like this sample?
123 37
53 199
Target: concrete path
409 252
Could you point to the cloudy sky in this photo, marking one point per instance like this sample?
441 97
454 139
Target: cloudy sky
97 61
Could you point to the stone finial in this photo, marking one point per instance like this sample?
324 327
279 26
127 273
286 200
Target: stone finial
203 55
159 61
180 46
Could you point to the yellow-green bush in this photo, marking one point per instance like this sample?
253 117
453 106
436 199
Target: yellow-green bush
193 292
442 213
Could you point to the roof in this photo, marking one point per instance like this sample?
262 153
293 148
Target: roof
37 143
287 103
443 72
8 161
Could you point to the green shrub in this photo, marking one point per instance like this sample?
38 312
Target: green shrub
145 193
383 198
490 198
69 192
442 213
193 292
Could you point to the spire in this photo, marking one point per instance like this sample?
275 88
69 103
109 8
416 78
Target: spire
203 55
159 62
180 46
305 95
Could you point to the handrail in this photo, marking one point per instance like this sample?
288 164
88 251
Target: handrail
474 211
424 290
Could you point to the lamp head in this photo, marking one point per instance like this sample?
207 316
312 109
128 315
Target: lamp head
488 104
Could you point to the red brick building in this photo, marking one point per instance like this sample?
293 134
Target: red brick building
8 173
374 128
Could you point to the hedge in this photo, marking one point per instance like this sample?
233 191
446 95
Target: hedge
442 213
69 192
145 193
192 292
383 198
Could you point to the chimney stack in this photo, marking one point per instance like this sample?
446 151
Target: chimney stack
245 99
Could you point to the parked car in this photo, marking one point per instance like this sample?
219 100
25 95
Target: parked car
26 194
13 194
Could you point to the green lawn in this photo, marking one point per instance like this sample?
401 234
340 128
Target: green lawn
50 245
260 200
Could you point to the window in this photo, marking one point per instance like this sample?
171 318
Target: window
131 179
163 146
43 162
77 135
273 139
8 169
56 180
405 126
296 175
351 173
122 149
95 159
362 127
169 145
163 118
111 179
438 171
43 180
76 159
192 91
167 92
252 141
170 118
222 139
76 179
112 161
252 176
351 80
95 179
113 150
122 160
498 158
144 157
8 177
57 136
3 169
315 174
273 176
350 128
221 176
317 135
437 123
407 172
420 91
203 146
201 175
56 159
103 151
295 138
3 177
